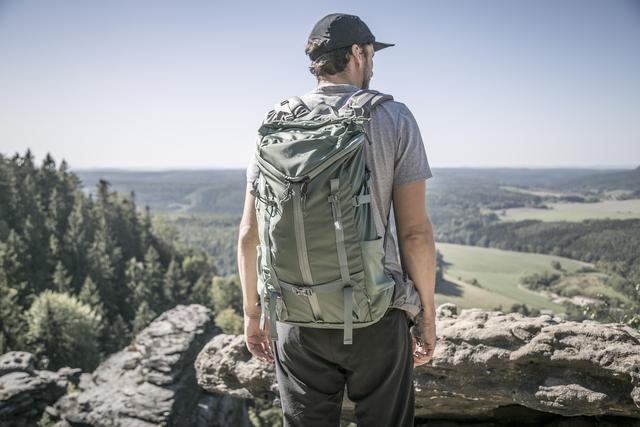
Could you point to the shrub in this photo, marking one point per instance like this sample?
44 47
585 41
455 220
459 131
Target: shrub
63 331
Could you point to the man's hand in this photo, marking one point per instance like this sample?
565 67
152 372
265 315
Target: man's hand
258 342
423 337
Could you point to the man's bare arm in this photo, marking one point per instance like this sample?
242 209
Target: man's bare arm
247 241
257 340
418 253
416 242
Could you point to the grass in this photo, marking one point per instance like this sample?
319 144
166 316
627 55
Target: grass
613 209
498 272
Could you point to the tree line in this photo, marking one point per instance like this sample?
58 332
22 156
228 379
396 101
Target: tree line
81 274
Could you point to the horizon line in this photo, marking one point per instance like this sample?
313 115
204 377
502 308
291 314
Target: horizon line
209 168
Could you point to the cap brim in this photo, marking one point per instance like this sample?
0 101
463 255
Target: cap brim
379 45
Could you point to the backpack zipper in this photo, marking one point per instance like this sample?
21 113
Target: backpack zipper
301 240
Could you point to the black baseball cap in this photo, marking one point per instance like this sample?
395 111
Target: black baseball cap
341 30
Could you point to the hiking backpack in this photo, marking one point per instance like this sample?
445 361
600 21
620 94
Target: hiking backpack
320 260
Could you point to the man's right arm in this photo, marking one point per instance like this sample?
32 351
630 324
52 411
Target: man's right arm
414 230
416 241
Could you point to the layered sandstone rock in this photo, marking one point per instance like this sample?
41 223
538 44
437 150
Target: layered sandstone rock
488 366
150 383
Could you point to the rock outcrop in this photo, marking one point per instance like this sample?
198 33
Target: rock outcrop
150 383
25 391
225 366
489 367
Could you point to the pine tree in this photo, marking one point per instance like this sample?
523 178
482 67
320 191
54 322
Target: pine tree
13 258
12 326
33 235
135 276
89 295
5 198
144 316
14 212
154 280
146 233
227 293
104 257
201 292
117 335
61 279
47 181
176 288
76 239
56 224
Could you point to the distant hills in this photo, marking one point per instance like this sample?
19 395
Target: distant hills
218 191
221 191
607 180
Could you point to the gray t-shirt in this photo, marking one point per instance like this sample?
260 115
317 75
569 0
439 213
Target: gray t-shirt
397 156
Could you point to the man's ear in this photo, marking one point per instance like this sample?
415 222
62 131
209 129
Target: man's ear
357 53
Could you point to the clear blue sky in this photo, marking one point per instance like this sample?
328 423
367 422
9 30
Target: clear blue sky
184 84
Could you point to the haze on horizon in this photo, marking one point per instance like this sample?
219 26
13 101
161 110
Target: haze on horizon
163 85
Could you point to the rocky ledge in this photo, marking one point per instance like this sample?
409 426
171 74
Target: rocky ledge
150 383
489 368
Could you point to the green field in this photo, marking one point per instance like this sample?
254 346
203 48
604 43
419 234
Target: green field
498 272
613 209
541 193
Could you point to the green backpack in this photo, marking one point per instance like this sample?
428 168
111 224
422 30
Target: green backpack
320 258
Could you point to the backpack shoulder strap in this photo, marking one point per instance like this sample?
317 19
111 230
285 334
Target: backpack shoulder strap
365 100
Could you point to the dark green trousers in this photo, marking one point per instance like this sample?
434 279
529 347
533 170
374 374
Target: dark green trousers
313 366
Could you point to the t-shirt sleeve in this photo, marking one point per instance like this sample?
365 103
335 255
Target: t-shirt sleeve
411 163
252 168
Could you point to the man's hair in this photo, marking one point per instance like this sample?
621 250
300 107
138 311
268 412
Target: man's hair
332 62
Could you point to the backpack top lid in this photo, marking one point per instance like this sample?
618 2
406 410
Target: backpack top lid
359 104
296 139
296 142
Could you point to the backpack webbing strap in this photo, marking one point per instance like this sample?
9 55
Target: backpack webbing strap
334 199
348 315
301 247
327 287
361 199
276 303
266 258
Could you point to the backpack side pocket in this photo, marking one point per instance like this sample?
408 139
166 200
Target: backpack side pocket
376 278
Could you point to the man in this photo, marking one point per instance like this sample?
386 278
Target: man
313 365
